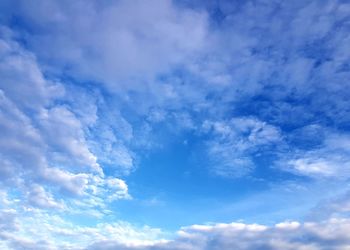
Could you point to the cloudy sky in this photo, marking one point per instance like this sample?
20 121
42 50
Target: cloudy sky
174 124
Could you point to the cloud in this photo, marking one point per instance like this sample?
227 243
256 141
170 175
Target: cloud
17 146
24 144
330 234
64 133
130 41
19 71
270 62
45 149
270 56
109 188
72 183
38 229
53 232
38 197
330 159
236 141
8 220
117 188
84 83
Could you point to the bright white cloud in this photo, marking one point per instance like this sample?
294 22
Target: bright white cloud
330 234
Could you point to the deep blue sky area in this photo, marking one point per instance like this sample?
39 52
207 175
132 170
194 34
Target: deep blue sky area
174 125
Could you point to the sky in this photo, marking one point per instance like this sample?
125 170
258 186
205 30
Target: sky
174 125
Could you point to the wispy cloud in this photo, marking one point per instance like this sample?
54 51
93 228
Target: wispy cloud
235 142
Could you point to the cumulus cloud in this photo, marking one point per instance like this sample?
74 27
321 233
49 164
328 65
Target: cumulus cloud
53 232
38 197
72 183
109 188
330 234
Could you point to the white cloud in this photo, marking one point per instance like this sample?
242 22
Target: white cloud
64 133
72 183
329 234
329 160
111 148
44 147
21 142
8 220
131 40
22 78
109 188
131 44
117 188
36 229
236 141
38 197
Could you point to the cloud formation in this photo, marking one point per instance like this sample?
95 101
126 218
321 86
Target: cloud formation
129 41
105 105
330 234
44 146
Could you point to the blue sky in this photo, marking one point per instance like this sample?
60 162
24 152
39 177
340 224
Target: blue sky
182 125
